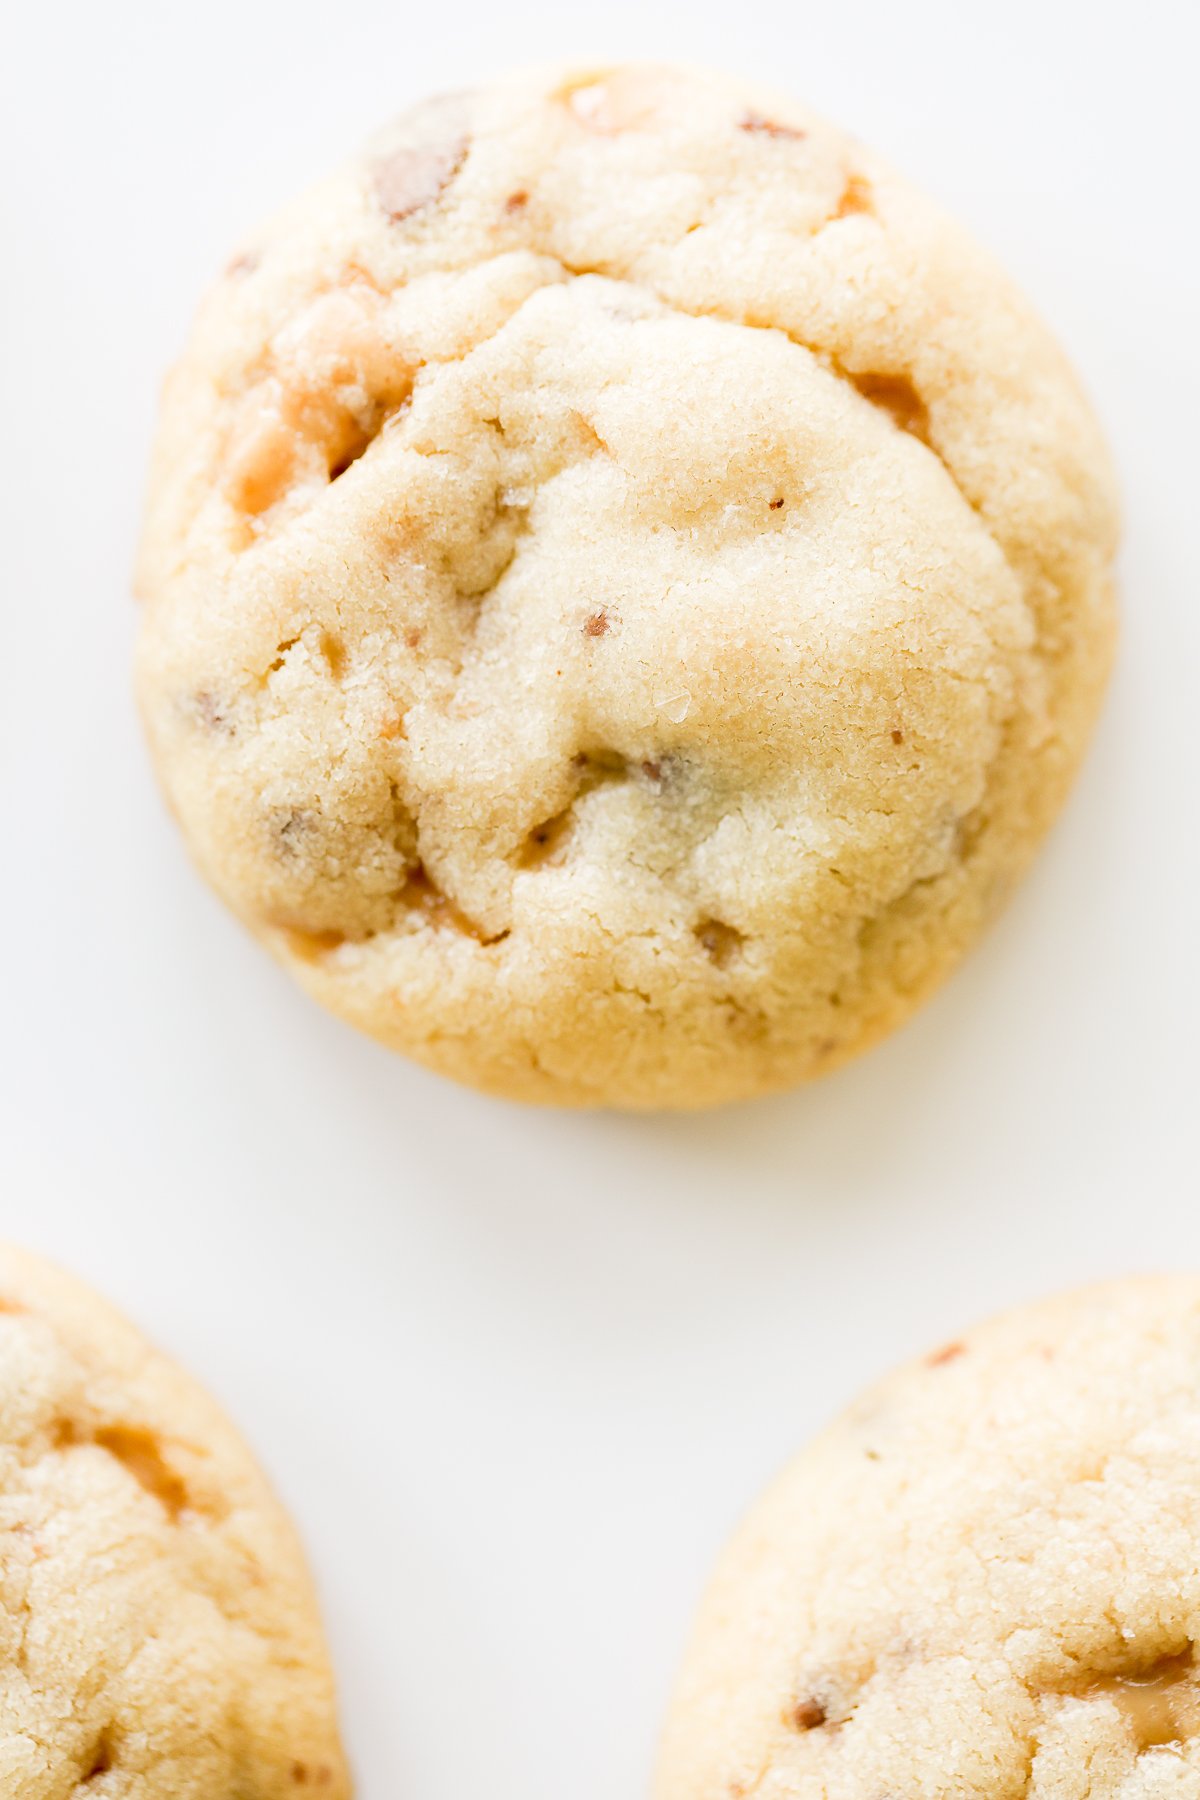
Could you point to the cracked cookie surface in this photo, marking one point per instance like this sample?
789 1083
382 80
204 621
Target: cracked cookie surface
158 1635
982 1582
626 586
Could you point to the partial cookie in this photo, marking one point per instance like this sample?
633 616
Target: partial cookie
159 1638
627 586
984 1581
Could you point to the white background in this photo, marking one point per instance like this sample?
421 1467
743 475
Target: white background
517 1373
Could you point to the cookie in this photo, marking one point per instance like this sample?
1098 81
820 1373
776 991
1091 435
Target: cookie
626 587
983 1581
159 1639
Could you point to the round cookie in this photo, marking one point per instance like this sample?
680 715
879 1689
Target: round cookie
626 586
159 1638
983 1581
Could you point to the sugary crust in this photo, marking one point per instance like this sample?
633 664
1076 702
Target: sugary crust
626 589
159 1639
983 1581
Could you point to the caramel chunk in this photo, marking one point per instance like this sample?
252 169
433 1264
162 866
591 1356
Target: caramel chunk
755 122
414 176
806 1714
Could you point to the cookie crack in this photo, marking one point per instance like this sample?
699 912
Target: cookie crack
1154 1698
423 898
546 842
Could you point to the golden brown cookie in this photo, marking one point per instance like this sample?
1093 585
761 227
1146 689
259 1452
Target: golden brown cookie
982 1583
159 1638
627 585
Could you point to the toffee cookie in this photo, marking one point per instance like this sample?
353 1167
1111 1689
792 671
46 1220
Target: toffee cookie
158 1636
983 1582
627 585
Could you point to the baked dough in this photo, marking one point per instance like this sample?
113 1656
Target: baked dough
159 1639
983 1583
626 589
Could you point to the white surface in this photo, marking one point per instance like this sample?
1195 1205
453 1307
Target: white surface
517 1373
